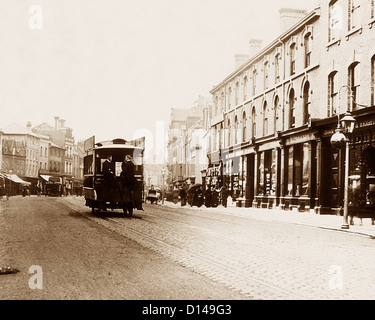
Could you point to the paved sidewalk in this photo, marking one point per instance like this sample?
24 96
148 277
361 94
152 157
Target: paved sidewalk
361 226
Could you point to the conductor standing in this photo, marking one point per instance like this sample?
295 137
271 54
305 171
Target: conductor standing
127 182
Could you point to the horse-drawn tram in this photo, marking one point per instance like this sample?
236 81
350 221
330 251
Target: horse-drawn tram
113 174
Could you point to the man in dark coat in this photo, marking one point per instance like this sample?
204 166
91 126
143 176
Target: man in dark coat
183 195
127 183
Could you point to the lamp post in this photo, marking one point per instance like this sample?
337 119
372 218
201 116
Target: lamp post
337 140
162 190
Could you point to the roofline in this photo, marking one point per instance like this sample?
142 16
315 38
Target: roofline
279 40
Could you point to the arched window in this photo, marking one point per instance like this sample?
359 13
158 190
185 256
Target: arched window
236 131
229 135
354 82
277 67
254 81
229 98
253 123
292 120
265 119
307 46
306 103
332 94
236 93
222 102
293 58
244 135
276 114
244 88
265 73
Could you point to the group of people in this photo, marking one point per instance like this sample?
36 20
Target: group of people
126 183
210 198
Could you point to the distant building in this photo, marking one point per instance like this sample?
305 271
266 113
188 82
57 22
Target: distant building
62 137
186 144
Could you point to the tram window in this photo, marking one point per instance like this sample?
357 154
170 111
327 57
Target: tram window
88 161
118 168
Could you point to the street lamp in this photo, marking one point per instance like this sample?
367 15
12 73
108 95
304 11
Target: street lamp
337 140
162 192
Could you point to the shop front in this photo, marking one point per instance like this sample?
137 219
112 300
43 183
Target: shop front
362 167
285 171
361 184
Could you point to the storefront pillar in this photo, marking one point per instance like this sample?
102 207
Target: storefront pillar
319 177
282 178
256 177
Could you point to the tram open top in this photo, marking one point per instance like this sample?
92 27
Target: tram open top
120 143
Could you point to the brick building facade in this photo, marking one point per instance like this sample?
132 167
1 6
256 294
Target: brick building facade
273 116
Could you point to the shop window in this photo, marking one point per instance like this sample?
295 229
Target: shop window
305 168
267 173
298 169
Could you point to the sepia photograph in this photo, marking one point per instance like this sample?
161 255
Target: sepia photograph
187 157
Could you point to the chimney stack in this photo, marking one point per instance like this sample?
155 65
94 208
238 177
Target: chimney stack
255 46
240 59
56 123
289 17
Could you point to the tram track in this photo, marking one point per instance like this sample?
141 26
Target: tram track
250 286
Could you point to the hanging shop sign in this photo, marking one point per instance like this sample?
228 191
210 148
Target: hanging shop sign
215 170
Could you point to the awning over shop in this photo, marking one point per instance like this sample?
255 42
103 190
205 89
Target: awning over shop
17 179
45 177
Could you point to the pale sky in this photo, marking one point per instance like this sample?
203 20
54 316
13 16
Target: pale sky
111 67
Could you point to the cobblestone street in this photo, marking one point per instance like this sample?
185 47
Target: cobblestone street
261 259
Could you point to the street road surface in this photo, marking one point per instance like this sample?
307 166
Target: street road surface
169 253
